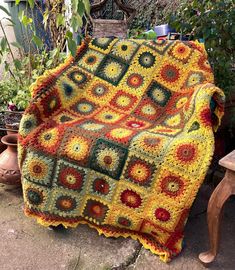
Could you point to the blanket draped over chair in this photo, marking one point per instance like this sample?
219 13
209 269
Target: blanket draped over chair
120 137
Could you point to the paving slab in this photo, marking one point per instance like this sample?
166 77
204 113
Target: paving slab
26 245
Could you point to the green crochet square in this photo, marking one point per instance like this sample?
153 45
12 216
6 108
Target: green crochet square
108 158
111 70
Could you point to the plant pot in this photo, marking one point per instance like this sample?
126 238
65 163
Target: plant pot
12 121
12 129
9 169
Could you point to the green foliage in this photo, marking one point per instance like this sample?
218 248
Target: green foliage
19 73
214 21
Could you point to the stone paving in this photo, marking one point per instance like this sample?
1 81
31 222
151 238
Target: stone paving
25 245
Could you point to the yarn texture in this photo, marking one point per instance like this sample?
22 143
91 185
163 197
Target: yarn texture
120 137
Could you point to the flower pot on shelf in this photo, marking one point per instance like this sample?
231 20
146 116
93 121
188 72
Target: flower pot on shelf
9 169
12 121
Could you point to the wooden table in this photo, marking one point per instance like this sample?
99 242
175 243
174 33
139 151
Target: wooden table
223 191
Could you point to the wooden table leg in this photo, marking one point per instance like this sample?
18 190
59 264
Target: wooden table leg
214 213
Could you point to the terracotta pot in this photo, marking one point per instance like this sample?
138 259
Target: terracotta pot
9 169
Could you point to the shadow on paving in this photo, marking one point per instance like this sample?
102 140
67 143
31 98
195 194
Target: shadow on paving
25 245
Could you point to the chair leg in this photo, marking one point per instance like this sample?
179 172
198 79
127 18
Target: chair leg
214 215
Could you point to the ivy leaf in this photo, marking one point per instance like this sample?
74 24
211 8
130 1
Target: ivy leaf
17 64
81 8
87 6
76 22
60 20
5 10
3 44
69 35
74 4
31 3
72 46
37 41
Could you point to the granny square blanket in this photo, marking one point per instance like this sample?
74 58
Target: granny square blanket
120 138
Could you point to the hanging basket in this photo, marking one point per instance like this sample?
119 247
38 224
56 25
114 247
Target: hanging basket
112 28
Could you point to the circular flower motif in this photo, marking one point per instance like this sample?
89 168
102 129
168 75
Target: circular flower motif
170 73
27 124
101 186
124 49
77 77
71 178
49 138
99 90
112 70
131 199
181 51
181 102
172 185
34 196
97 210
195 78
124 221
139 172
68 90
108 116
53 103
205 116
84 107
108 158
77 148
147 59
162 214
135 80
135 124
158 95
38 169
150 143
66 203
186 152
120 133
92 126
123 101
148 109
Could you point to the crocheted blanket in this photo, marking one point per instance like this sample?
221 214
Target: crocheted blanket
120 138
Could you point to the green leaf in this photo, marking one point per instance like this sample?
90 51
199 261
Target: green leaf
60 20
45 17
76 22
72 46
3 44
69 35
79 20
81 8
17 2
16 44
31 3
17 64
74 4
37 41
26 20
5 10
87 6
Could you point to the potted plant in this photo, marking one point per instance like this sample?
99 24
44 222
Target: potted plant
21 71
